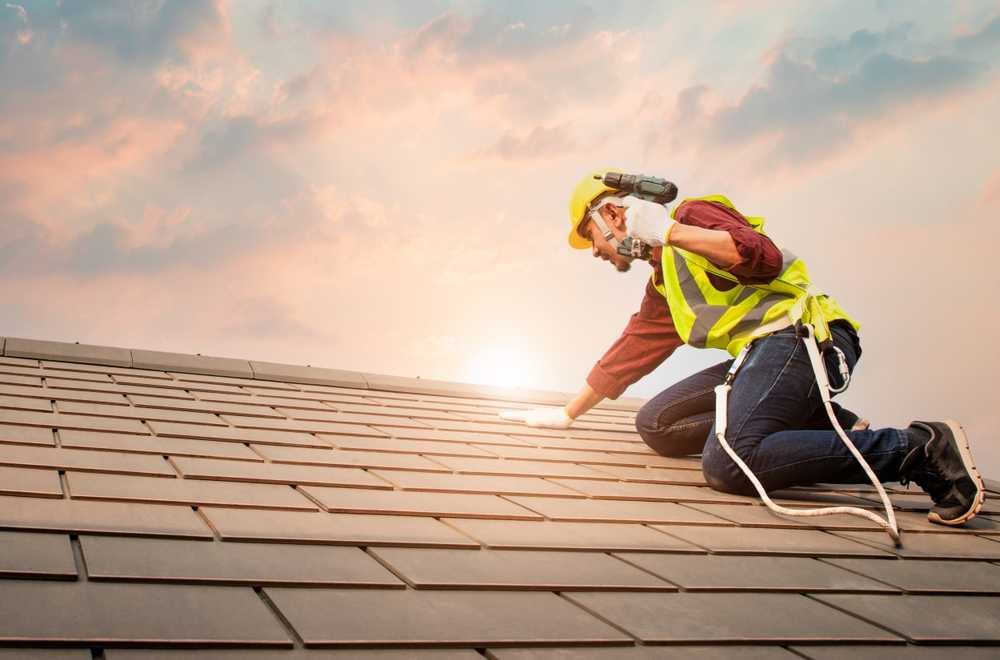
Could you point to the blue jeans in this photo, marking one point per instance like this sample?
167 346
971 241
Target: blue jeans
777 422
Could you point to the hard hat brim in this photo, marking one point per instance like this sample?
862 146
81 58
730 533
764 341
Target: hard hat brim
578 242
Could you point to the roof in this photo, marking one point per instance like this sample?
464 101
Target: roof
247 509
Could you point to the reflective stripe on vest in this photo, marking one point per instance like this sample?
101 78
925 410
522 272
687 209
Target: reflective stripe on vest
706 317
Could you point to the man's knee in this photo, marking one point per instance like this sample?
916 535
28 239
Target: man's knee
647 421
721 472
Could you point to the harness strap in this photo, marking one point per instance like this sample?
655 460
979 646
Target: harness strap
819 370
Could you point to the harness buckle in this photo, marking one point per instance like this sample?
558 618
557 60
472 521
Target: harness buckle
843 370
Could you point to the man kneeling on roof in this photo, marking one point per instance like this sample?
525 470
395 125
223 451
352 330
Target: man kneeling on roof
719 281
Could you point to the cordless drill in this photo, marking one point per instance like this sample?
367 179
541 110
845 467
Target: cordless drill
651 188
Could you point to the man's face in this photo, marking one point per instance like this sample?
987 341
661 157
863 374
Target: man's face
614 216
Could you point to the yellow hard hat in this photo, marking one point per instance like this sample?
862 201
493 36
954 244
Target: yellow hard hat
589 189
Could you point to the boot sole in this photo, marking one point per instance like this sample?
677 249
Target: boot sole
962 441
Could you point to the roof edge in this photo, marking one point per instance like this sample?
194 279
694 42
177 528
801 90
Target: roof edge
41 349
275 371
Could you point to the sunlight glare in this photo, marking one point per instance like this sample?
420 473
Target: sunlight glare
502 366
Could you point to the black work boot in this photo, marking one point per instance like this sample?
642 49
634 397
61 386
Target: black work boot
939 460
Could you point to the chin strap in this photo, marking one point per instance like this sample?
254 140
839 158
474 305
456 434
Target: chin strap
598 220
819 369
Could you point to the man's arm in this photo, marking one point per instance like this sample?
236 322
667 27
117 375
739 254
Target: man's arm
584 401
724 237
648 339
715 245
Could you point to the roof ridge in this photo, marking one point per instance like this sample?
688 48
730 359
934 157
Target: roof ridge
277 371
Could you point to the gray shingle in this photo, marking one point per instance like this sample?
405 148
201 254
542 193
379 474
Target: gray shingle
927 618
67 352
752 573
25 481
432 568
548 535
929 576
464 505
686 652
117 558
474 618
27 554
94 613
164 361
795 542
115 487
731 617
334 528
100 517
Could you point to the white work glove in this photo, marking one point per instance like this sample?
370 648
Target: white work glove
647 221
549 418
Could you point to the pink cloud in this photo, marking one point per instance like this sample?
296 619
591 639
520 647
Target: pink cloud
990 198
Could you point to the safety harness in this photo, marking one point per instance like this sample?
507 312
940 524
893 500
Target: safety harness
808 314
807 333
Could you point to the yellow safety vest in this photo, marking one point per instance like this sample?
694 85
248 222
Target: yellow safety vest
706 317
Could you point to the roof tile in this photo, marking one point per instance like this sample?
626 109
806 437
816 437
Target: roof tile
119 558
548 535
457 617
147 444
517 467
67 352
718 573
131 412
464 505
54 420
100 517
164 361
298 374
83 486
590 510
929 576
795 542
201 432
32 435
82 459
927 618
930 546
731 617
334 528
685 652
95 613
27 554
405 446
25 481
24 403
473 483
434 568
275 473
620 490
347 458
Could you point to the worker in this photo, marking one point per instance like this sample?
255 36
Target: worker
717 281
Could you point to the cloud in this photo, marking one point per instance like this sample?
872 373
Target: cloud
990 199
982 42
540 143
811 113
142 32
813 104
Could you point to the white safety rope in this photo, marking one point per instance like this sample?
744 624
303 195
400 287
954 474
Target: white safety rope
819 369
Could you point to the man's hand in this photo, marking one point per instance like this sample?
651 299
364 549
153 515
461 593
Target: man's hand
647 221
548 418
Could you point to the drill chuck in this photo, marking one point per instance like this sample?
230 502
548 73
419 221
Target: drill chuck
650 188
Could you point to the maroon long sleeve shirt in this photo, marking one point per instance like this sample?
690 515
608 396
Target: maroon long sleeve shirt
650 336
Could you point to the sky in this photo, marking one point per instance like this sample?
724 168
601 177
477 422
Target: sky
383 186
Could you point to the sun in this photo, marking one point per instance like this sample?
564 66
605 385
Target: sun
501 365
